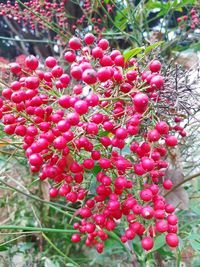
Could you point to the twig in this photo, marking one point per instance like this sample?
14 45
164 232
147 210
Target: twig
182 182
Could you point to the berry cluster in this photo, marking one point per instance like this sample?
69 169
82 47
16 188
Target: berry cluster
192 20
106 150
47 10
54 11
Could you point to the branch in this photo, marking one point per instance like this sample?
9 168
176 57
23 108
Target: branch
182 182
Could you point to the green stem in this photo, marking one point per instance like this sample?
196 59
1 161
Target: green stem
36 229
116 237
27 40
37 198
59 251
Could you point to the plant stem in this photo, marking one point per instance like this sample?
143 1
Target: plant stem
36 229
182 182
28 40
37 198
59 251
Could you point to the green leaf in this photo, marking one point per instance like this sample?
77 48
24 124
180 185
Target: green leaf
25 246
131 53
149 48
195 210
159 243
3 248
180 243
195 245
136 246
50 263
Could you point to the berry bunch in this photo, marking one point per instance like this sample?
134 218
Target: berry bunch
38 15
192 20
106 150
48 10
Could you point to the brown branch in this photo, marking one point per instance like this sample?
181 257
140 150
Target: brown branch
17 33
182 182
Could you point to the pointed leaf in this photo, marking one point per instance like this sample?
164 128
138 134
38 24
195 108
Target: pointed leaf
149 48
159 243
133 52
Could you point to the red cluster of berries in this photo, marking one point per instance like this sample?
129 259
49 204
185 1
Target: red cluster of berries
49 12
192 21
94 14
77 141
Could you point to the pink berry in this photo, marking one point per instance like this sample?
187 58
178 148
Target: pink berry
172 240
75 43
75 238
167 184
155 66
147 243
171 141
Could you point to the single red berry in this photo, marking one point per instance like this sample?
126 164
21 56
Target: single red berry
31 62
76 238
75 43
155 66
153 135
172 219
147 243
81 107
36 159
172 240
146 195
53 192
103 44
140 102
157 81
50 62
162 127
89 76
167 184
89 38
70 56
171 141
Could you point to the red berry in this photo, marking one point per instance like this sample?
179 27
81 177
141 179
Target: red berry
89 38
172 240
89 76
162 127
53 192
50 62
81 107
147 243
75 43
70 56
155 66
153 136
157 81
167 184
140 102
76 238
103 44
88 164
171 141
36 159
146 195
31 62
172 219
